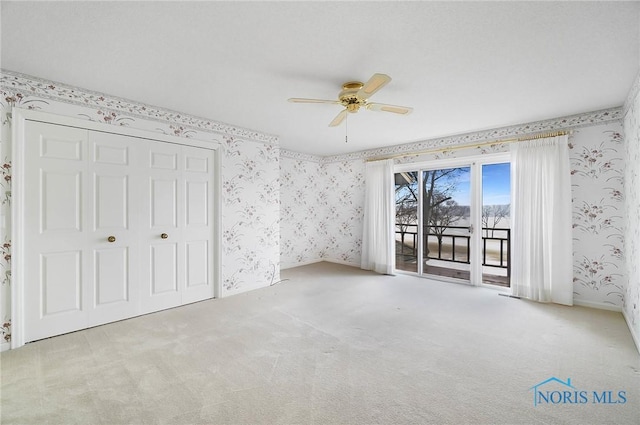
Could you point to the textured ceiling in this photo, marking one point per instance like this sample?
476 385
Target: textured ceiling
462 66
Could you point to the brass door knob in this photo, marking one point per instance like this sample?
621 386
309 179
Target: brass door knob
164 236
111 238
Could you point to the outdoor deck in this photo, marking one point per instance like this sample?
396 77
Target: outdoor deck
447 255
408 263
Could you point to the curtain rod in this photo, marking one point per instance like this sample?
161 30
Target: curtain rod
474 145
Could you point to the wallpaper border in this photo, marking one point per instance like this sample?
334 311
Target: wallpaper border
16 82
586 119
286 153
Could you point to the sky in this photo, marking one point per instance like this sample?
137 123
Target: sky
496 185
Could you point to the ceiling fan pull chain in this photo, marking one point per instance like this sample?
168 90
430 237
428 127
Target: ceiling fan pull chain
346 127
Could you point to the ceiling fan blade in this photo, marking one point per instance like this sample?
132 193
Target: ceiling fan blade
339 118
301 100
375 83
403 110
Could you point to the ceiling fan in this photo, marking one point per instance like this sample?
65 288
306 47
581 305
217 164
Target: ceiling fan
355 95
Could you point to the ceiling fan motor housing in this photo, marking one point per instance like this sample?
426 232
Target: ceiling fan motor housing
349 96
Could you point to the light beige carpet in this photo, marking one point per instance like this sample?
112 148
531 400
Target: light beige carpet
332 345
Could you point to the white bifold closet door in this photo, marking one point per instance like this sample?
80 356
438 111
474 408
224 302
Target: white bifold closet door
115 226
177 227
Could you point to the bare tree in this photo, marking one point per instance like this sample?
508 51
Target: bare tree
438 186
444 215
492 215
439 210
406 216
406 205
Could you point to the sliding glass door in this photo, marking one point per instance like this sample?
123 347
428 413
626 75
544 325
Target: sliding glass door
446 222
406 225
453 222
496 223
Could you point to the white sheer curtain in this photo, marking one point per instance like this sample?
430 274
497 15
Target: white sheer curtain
379 217
541 258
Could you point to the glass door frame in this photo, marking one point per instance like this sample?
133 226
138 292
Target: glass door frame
475 164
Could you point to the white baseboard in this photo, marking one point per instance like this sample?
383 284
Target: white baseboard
303 263
345 263
318 260
243 289
5 346
636 338
610 307
598 305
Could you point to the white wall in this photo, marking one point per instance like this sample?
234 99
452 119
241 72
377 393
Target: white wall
333 189
251 191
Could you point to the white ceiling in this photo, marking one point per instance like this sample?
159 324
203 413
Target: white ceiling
463 66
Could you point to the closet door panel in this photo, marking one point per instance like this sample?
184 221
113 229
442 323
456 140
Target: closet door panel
161 263
198 226
164 274
197 260
61 200
56 300
197 203
112 202
113 236
112 282
60 283
164 202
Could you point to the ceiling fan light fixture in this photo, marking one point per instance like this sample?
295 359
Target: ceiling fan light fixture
352 85
352 107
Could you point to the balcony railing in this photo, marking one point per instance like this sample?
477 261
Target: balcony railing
456 247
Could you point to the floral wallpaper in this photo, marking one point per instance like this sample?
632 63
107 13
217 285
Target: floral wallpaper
303 199
631 305
597 173
250 177
322 211
345 213
327 209
251 215
5 218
